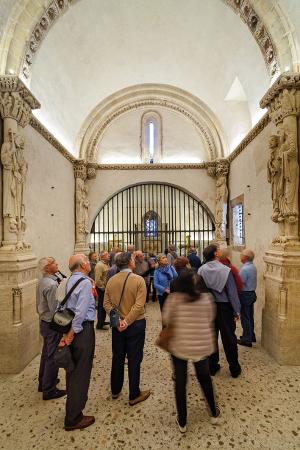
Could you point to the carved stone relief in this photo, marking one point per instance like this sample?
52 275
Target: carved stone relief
219 170
81 201
283 102
54 10
256 26
17 305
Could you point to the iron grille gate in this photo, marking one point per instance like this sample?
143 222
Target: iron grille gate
151 216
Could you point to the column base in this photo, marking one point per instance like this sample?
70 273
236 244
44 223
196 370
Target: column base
19 331
81 247
281 313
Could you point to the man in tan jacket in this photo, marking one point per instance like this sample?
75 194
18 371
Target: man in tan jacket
129 338
101 270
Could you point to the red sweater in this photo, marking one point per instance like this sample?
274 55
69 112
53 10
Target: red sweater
235 273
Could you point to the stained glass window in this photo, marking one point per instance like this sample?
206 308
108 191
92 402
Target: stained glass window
150 224
238 224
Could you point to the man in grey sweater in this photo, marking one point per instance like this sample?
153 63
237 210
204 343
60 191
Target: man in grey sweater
219 279
46 305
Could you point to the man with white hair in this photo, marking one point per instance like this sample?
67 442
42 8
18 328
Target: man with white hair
81 339
46 305
248 274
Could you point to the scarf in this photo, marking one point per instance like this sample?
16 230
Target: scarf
215 275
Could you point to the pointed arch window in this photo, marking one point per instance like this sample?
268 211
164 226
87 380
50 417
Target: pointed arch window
151 137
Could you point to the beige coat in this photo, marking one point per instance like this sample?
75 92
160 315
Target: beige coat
132 307
101 270
193 325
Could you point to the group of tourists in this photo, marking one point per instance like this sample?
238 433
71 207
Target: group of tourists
197 302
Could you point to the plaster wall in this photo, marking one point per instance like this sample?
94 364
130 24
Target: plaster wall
248 176
108 182
49 200
181 142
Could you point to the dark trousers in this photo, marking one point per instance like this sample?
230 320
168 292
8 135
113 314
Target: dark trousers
204 379
101 313
153 289
226 325
162 299
247 299
130 342
78 381
48 369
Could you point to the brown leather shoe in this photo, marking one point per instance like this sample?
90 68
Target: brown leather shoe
85 422
142 397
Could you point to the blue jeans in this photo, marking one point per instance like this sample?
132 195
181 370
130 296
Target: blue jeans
247 299
130 342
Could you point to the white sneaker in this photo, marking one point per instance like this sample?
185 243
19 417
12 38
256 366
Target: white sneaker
181 429
216 420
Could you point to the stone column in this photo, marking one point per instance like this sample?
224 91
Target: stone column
219 170
281 314
19 333
81 207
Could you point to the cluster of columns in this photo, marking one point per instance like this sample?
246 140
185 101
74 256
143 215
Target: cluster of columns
19 335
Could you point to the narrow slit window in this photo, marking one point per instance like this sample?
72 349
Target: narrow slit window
151 137
151 142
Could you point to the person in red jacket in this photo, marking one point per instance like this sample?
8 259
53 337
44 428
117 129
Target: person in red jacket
225 259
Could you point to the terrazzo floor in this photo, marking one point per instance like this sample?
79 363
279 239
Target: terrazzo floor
260 409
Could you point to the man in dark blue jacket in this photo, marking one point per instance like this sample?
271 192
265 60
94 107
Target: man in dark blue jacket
194 260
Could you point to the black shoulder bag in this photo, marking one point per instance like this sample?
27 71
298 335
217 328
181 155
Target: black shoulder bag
114 316
62 319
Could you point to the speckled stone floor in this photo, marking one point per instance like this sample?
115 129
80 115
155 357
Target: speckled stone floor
260 410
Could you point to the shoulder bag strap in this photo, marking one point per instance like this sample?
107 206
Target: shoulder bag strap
64 301
123 289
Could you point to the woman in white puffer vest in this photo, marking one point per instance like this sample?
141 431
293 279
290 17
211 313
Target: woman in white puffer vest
190 312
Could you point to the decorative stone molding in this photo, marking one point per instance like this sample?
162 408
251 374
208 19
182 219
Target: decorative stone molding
36 124
53 11
150 102
256 130
150 166
283 103
258 30
149 96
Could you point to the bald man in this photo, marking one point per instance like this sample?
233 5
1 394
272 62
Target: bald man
81 339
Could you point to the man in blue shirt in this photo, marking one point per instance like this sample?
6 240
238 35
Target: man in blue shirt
81 339
248 275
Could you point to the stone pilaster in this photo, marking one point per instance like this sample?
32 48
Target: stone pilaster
81 207
19 334
281 314
219 170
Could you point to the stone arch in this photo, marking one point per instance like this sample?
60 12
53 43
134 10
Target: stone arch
29 23
151 95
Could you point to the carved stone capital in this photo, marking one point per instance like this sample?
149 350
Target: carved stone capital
91 171
16 101
283 98
222 167
80 169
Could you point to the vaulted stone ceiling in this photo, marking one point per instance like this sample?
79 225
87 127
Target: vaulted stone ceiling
98 47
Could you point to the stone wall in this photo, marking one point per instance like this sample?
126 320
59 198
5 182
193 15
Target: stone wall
248 176
50 200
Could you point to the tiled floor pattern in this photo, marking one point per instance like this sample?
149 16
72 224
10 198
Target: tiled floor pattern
260 410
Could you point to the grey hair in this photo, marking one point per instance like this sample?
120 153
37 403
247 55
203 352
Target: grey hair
122 260
43 263
249 253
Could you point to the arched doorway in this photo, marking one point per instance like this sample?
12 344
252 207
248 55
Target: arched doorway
151 216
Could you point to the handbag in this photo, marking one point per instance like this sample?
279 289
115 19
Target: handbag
164 338
63 358
62 318
114 316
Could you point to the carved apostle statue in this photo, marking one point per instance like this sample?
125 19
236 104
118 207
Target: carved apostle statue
274 172
221 206
289 177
